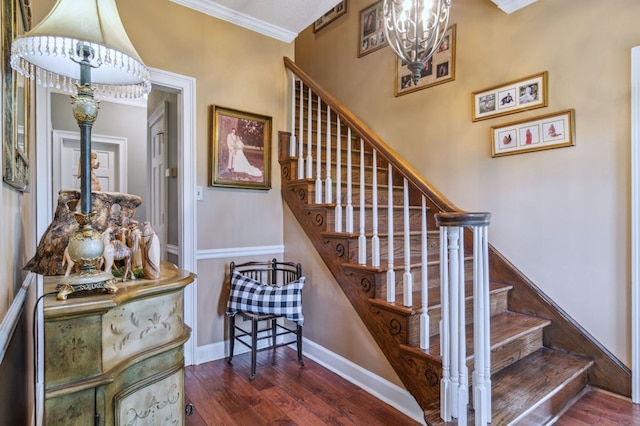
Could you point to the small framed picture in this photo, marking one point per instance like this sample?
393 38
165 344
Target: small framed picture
240 149
333 14
549 131
440 68
520 95
371 27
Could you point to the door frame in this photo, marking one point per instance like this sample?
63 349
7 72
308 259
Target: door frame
153 116
635 225
59 136
186 88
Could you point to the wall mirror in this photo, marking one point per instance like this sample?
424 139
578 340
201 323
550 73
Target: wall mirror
16 95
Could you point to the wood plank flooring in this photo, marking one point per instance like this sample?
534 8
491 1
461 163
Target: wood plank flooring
282 393
285 393
598 408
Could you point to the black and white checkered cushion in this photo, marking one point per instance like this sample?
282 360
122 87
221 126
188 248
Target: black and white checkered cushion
248 295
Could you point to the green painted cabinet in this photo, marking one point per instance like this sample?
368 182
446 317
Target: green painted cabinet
117 359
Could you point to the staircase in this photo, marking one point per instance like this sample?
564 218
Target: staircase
372 219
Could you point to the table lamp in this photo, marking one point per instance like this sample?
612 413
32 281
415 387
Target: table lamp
81 46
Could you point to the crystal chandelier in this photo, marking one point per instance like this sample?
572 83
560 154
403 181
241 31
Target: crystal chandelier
414 30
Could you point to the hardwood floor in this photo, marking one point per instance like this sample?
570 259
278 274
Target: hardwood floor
285 393
601 409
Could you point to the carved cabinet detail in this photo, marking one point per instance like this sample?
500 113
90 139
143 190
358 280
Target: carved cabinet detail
117 359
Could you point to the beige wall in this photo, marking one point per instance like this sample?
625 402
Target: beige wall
234 68
561 216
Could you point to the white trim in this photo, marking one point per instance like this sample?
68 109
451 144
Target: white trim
232 252
11 318
377 386
120 142
218 11
187 213
173 249
510 6
635 224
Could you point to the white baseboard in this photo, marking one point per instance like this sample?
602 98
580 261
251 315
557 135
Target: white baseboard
377 386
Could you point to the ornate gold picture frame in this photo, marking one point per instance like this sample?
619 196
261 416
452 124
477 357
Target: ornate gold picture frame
516 96
440 68
240 149
371 30
545 132
331 15
16 95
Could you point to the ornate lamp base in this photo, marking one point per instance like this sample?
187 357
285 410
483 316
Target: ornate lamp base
92 280
85 249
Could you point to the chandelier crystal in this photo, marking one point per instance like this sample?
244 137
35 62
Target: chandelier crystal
414 30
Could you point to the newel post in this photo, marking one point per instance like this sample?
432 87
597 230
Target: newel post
454 392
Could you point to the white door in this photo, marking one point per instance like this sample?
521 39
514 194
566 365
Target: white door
111 159
157 133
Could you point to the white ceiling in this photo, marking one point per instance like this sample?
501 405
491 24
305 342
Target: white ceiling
285 19
280 19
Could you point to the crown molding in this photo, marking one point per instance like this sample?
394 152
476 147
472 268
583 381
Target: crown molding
210 8
510 6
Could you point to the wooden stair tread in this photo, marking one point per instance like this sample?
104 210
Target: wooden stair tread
434 297
505 327
545 373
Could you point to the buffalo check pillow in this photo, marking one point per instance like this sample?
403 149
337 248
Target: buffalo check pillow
249 295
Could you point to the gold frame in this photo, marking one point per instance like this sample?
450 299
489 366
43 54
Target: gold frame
441 67
331 15
549 131
254 131
508 98
371 29
16 99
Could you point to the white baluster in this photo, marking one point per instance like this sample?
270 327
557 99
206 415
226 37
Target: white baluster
328 182
487 324
309 173
445 326
338 215
362 239
424 316
319 153
301 134
463 373
407 278
454 316
349 175
481 310
375 239
292 141
391 273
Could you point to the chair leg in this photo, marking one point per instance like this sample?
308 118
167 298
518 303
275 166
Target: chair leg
232 336
254 347
274 331
299 344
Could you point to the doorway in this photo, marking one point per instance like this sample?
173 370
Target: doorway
184 88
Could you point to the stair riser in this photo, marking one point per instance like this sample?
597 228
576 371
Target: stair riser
415 219
433 273
497 304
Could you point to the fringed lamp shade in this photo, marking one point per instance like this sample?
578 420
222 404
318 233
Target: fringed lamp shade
414 30
49 52
81 46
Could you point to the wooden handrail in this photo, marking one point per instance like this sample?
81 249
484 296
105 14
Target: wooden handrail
364 132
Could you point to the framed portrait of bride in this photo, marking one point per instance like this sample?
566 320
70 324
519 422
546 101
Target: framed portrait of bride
240 154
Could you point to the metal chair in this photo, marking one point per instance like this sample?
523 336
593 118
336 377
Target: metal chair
262 293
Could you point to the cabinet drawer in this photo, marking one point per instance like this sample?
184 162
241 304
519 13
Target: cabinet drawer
135 327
